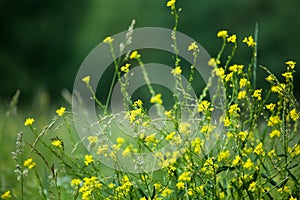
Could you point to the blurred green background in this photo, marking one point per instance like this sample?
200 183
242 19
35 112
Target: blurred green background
44 42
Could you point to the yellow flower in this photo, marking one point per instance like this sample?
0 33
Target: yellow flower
92 139
259 150
252 187
222 33
88 159
203 106
213 62
278 88
242 135
6 195
150 138
171 3
291 64
294 115
134 55
242 95
29 121
232 39
271 107
275 133
292 198
288 76
273 120
170 136
138 103
180 185
248 164
220 72
120 140
86 79
249 41
126 151
257 94
223 155
243 82
229 77
270 78
57 143
236 68
227 122
168 113
60 111
185 176
234 108
271 153
176 71
184 127
193 46
125 68
236 160
29 163
156 99
75 182
108 40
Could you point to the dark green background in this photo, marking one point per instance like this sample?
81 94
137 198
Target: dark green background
42 43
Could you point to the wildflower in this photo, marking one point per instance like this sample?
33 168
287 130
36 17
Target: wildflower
248 164
150 138
232 39
168 113
220 72
291 64
236 68
213 62
126 151
271 107
57 143
88 159
241 95
273 120
29 121
60 111
285 189
92 139
190 192
270 78
29 163
249 41
75 182
288 76
229 77
292 198
222 33
243 82
223 155
86 79
176 71
236 160
242 135
166 192
193 46
234 108
138 103
227 121
108 40
259 150
156 99
295 150
111 185
257 94
203 106
171 3
125 68
222 195
185 176
134 55
275 133
252 187
170 136
6 195
278 88
120 140
180 185
294 115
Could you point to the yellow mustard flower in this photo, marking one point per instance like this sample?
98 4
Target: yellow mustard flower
248 164
236 160
166 192
134 55
29 121
170 136
92 139
75 182
127 151
57 143
243 82
294 114
184 128
259 149
236 68
6 195
213 62
275 133
257 94
292 198
227 121
242 95
203 106
220 72
271 107
270 78
176 71
156 99
223 155
60 111
249 41
88 159
180 185
185 176
222 33
108 40
29 163
193 47
274 120
86 79
171 3
234 108
120 140
232 39
138 103
125 68
252 187
291 64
